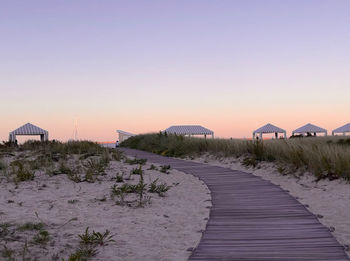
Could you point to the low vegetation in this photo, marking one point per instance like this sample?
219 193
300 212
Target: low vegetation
325 157
35 165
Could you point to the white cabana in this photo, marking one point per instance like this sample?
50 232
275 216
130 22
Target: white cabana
343 129
269 128
29 129
123 135
309 129
189 130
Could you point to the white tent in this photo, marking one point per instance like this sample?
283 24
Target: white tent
269 128
29 129
189 130
123 135
309 129
343 129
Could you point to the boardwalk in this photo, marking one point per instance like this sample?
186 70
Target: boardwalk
252 219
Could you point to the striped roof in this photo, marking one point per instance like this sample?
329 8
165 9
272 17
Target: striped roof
309 128
269 128
345 128
29 129
126 133
189 129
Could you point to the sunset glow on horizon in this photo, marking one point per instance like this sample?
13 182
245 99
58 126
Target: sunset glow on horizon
142 66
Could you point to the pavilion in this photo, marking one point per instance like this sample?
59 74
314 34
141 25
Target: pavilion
123 135
29 130
269 128
343 129
189 130
308 129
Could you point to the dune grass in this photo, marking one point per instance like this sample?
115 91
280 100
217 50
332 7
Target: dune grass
325 157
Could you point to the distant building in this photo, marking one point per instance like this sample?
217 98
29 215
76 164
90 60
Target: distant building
29 130
123 135
189 130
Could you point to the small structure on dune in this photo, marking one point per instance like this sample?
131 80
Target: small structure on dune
269 128
343 129
29 130
123 135
189 130
309 129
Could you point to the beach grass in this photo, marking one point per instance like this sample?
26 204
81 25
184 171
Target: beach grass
325 157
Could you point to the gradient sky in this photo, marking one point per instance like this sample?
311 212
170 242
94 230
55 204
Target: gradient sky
142 66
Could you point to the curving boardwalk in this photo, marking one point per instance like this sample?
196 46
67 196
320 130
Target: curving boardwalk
252 219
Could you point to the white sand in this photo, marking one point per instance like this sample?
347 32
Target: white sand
330 199
163 230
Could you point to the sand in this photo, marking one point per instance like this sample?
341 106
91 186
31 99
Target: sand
329 200
163 230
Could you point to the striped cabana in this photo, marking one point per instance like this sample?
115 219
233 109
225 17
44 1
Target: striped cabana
189 130
343 129
124 135
29 129
269 128
309 129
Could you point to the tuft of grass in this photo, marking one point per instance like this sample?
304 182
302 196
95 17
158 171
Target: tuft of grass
86 238
117 155
4 229
21 171
159 189
137 171
250 162
8 253
136 161
153 167
41 238
96 238
31 226
165 169
83 253
103 239
119 178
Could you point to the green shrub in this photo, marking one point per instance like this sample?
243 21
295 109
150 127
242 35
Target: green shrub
136 161
165 168
159 189
137 171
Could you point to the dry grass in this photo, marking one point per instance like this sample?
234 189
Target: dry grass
325 157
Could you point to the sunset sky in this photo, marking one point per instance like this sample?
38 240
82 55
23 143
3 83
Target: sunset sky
142 66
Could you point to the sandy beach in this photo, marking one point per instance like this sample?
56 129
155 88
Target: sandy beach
165 229
328 200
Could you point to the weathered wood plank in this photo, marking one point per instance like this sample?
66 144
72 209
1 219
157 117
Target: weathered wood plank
253 219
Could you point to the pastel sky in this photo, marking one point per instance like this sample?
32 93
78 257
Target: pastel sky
142 66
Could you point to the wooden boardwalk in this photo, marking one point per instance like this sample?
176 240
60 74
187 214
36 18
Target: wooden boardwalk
252 219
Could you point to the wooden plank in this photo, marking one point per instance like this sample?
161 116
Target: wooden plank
253 219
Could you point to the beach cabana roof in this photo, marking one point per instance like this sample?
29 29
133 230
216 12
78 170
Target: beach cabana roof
269 128
29 129
126 133
343 129
310 128
189 130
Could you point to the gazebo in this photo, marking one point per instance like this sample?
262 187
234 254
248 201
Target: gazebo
308 129
123 135
269 128
29 129
343 129
189 130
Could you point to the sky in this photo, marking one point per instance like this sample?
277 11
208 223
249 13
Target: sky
142 66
